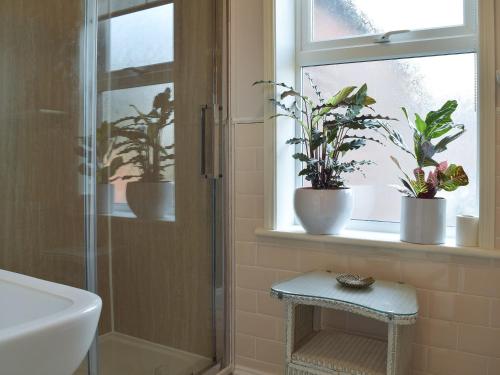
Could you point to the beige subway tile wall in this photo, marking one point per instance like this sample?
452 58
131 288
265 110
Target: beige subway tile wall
459 327
458 297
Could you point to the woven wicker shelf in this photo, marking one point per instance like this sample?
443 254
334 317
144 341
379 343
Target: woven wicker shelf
313 351
344 353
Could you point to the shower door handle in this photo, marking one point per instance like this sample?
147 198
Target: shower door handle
212 141
203 136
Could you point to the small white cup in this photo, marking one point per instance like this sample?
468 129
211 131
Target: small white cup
466 234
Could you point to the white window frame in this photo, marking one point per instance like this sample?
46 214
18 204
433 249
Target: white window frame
426 42
284 53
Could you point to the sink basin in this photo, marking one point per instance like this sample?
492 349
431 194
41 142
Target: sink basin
45 328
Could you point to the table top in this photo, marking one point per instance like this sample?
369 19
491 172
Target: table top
384 300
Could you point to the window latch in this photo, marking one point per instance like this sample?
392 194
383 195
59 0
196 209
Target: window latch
386 38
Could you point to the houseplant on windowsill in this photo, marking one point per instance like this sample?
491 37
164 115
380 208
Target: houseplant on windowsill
423 215
149 194
107 164
330 129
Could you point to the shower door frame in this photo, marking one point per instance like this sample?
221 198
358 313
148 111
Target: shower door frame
89 79
220 184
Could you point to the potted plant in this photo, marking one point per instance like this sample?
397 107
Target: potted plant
423 215
330 129
106 166
149 194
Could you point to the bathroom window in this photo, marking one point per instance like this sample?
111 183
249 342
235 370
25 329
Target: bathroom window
431 57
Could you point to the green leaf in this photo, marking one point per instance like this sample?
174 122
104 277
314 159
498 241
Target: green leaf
340 96
453 177
420 124
370 139
373 117
439 130
405 112
442 115
352 145
419 185
290 92
369 101
360 96
272 83
301 157
443 143
396 162
317 139
296 141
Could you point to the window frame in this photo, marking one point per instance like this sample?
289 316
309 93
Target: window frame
283 56
416 43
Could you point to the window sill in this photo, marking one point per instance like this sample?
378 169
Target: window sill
387 241
129 215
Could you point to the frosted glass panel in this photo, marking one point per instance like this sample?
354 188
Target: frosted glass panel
117 104
334 19
142 38
420 85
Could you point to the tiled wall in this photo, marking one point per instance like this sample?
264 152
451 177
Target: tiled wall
459 327
458 332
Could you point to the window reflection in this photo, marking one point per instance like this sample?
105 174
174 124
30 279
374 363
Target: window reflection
142 38
136 52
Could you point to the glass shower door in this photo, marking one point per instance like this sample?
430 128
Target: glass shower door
158 192
42 212
102 184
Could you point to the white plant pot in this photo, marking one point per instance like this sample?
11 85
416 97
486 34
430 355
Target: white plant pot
105 197
423 221
151 200
323 211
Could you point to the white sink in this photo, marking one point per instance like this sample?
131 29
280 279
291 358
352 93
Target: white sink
45 328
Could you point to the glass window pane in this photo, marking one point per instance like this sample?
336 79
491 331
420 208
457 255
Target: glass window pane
420 85
334 19
117 104
142 38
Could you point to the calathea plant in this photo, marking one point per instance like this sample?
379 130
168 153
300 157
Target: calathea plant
107 163
432 136
139 140
331 128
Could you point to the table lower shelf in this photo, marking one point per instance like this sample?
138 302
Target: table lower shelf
344 353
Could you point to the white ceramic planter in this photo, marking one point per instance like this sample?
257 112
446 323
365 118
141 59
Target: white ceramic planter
105 197
423 221
151 200
323 211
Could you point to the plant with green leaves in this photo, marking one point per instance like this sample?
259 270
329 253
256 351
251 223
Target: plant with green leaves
107 163
431 137
330 129
140 140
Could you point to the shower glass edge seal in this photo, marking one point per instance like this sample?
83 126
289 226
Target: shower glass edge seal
89 178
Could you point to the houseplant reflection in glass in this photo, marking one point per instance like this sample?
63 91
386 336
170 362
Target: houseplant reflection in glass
330 129
149 194
423 215
107 164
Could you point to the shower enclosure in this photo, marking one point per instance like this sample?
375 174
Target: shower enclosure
112 145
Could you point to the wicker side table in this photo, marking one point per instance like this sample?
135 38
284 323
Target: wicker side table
312 351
